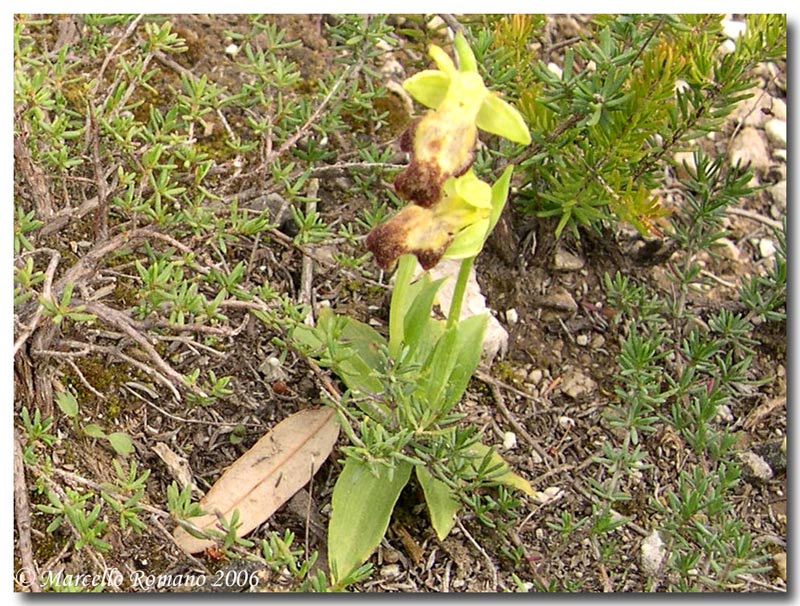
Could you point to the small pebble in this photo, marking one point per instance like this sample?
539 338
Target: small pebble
653 554
778 193
598 341
681 86
564 260
535 376
509 440
231 50
724 413
566 423
684 162
391 571
776 132
733 29
766 248
555 69
582 340
437 24
727 47
749 148
727 249
778 109
512 317
779 559
755 467
548 495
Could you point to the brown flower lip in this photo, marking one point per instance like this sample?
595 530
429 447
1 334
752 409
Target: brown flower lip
399 236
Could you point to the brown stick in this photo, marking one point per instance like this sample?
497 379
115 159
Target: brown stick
122 322
22 514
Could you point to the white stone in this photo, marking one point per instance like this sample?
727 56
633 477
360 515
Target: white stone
436 23
727 249
756 465
582 340
681 86
564 260
509 440
575 384
778 109
727 47
598 341
495 340
535 376
724 413
272 370
553 67
749 148
766 248
653 554
733 29
512 317
753 109
566 423
231 50
684 163
778 193
776 131
391 571
548 495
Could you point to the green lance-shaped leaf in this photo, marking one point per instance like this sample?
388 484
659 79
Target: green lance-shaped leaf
502 473
121 442
418 321
453 362
361 508
442 505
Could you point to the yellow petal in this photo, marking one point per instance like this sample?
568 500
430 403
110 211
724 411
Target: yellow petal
473 191
442 60
466 58
429 87
469 241
499 118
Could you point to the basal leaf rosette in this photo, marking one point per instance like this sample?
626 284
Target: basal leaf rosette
442 142
456 226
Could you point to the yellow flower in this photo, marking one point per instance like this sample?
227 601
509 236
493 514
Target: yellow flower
456 226
443 141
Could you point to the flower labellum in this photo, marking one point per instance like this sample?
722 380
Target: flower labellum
455 227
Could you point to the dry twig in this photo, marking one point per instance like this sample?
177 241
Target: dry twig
22 514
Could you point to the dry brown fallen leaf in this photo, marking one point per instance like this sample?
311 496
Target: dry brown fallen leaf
266 476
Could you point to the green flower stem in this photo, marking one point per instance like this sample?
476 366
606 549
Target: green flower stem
397 309
459 290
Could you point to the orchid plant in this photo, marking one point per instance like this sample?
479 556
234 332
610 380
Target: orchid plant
401 391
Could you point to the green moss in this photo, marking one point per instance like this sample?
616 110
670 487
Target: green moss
105 378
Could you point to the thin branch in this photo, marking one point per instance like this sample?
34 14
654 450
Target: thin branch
482 552
501 406
749 214
122 322
22 515
307 271
47 293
